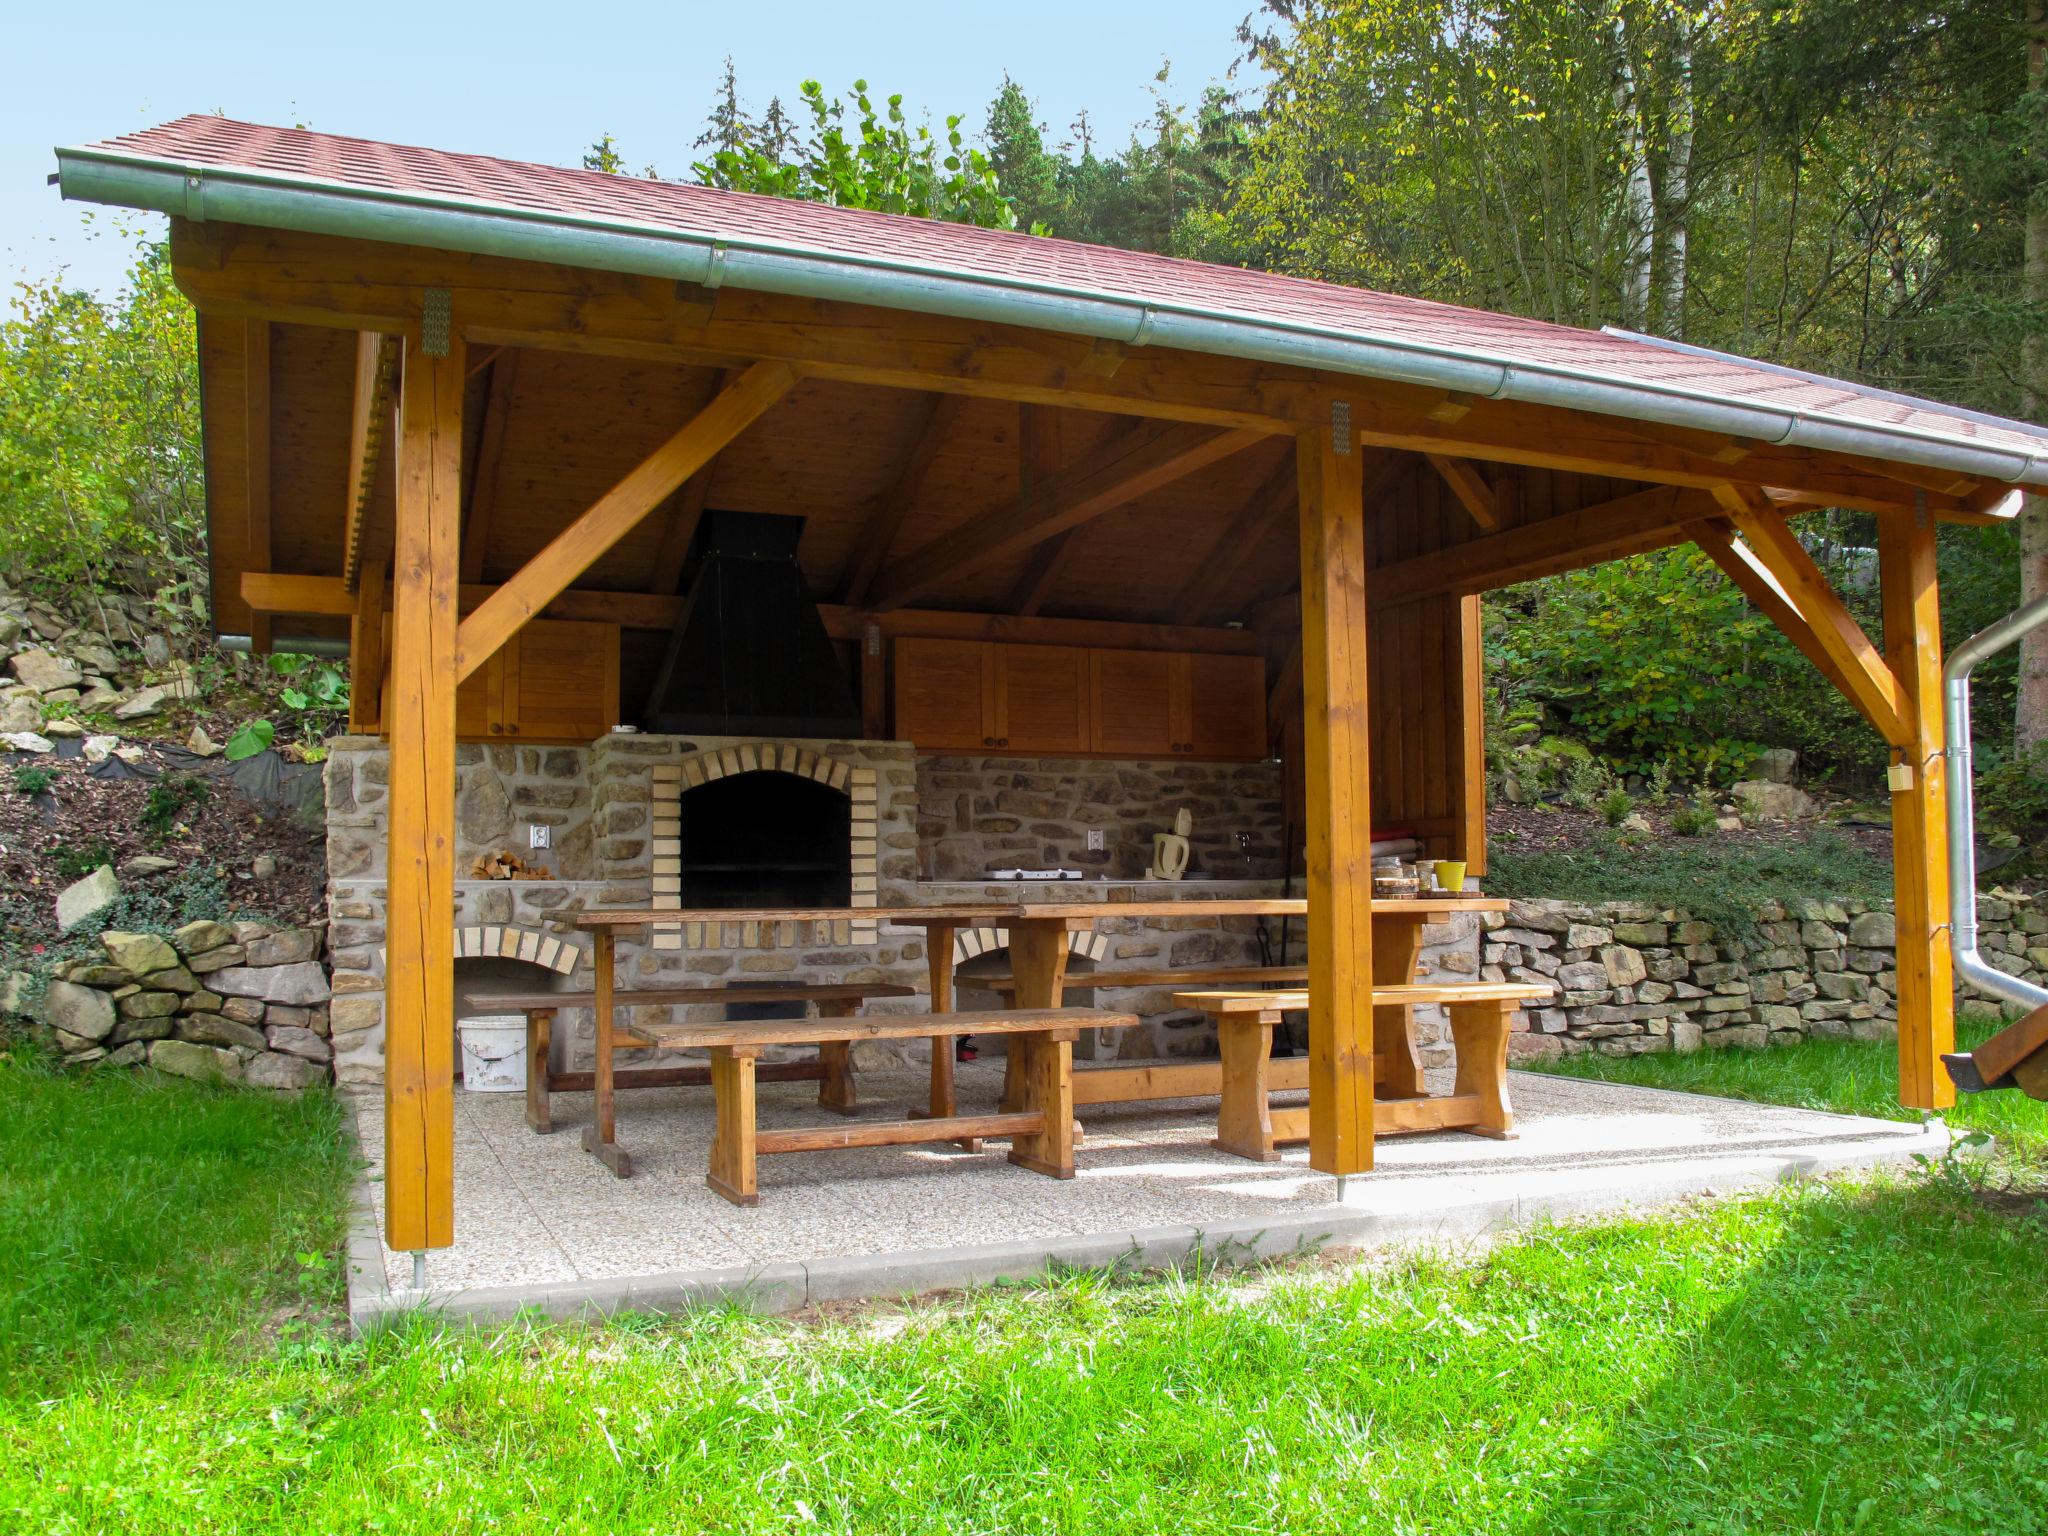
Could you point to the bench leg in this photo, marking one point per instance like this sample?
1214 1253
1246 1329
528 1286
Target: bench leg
944 1101
1244 1120
1396 956
1480 1031
1045 1076
540 1029
732 1144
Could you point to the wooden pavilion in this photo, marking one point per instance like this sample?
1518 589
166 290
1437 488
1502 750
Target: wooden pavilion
457 400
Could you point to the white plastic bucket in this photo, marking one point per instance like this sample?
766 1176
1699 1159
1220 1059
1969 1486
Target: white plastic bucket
493 1053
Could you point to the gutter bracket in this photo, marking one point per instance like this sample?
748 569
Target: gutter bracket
195 197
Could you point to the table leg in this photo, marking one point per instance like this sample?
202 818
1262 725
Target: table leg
732 1144
600 1137
1045 1080
835 1088
540 1028
1396 955
1244 1118
944 1099
1038 961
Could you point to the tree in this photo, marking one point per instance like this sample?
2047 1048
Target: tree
100 461
1028 175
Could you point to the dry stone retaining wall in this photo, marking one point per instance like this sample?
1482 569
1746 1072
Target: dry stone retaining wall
246 1002
1633 978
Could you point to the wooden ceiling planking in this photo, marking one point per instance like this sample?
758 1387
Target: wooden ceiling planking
313 388
220 360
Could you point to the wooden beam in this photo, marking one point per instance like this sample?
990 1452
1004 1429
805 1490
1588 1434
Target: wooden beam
1569 539
686 512
1038 462
490 453
1718 540
1338 810
256 461
1912 629
616 513
376 381
932 424
327 596
366 651
1473 490
419 964
1468 772
1269 506
1135 462
1863 673
319 280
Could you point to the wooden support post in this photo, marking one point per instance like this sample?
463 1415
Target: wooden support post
1338 808
1912 630
366 652
419 971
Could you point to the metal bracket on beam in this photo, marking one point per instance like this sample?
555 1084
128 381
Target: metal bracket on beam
435 316
1340 426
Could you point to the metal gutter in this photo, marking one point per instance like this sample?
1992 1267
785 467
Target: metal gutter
445 221
1971 966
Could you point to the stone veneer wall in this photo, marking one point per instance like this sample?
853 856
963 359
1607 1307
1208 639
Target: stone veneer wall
976 814
598 802
1634 979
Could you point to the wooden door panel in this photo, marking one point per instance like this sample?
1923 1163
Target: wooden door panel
1041 698
1131 701
1226 706
944 694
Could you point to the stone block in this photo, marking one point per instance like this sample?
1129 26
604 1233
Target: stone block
218 1029
288 946
1875 930
187 1058
300 985
213 959
293 1041
83 900
1843 986
1642 933
1624 966
85 1012
148 1005
282 1072
197 938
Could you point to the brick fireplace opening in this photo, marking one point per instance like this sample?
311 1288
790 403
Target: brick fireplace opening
765 839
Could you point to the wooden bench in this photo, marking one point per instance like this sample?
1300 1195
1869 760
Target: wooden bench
832 1070
1481 1015
1040 1128
1162 1080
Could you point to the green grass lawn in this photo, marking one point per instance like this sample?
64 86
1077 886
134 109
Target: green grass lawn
1851 1357
1851 1076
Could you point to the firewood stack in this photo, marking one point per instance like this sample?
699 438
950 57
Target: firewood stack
507 866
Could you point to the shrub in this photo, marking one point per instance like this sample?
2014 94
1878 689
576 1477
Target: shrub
169 799
1616 805
1692 819
31 780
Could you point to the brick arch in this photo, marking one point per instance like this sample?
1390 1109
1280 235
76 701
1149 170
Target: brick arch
766 757
510 941
970 942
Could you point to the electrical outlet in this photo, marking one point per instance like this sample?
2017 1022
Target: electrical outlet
1095 843
537 836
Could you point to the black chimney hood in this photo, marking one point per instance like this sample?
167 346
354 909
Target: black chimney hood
750 656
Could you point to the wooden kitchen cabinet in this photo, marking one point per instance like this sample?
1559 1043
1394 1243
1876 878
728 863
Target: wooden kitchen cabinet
555 682
1063 700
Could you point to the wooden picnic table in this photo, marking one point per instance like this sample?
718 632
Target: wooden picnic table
1038 942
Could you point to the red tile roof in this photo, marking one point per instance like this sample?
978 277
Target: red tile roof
1019 260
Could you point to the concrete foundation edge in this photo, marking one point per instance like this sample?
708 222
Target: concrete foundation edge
1346 1227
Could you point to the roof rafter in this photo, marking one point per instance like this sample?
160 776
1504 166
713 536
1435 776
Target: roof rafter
932 422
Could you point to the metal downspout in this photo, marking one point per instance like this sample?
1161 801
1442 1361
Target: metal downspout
1962 811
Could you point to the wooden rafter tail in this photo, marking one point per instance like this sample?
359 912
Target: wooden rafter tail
370 415
616 513
1863 674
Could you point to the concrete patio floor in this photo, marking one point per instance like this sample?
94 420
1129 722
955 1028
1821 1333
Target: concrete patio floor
538 1223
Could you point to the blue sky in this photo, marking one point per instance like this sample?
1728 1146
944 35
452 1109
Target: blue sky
540 82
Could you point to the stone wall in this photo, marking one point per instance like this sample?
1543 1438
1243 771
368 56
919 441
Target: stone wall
246 1002
1633 978
976 814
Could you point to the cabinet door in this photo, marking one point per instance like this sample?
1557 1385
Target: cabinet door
945 694
1226 707
1041 698
1131 701
561 682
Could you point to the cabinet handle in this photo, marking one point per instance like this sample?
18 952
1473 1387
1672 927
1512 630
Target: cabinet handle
497 727
1002 741
988 741
512 728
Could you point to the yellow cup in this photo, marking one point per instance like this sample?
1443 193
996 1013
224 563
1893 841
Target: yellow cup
1450 875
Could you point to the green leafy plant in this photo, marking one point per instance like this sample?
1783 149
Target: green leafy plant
249 738
169 799
1615 806
74 861
1695 817
32 780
